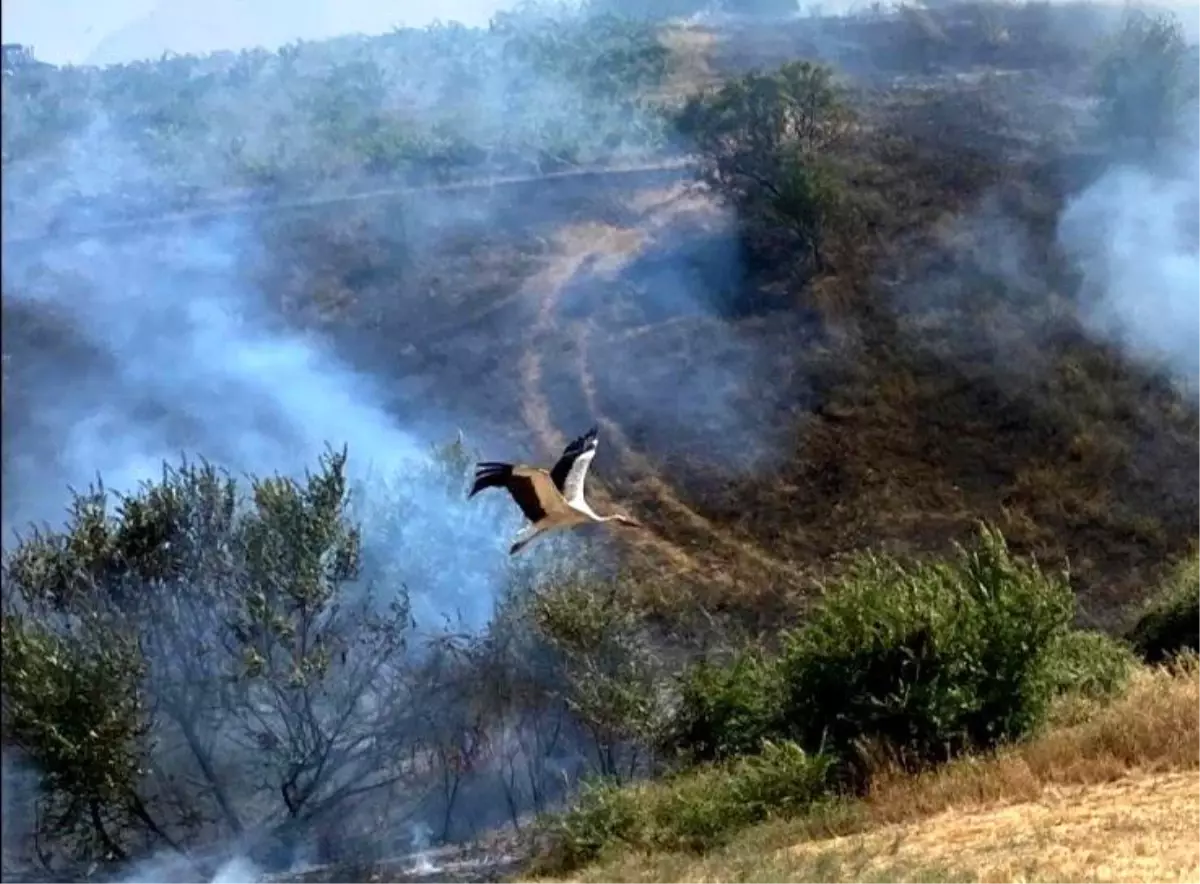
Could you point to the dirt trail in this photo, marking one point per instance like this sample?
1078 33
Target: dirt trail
642 467
602 250
1140 828
607 247
575 244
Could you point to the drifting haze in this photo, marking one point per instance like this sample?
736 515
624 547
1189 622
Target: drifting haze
186 359
168 340
115 31
1134 236
164 341
173 348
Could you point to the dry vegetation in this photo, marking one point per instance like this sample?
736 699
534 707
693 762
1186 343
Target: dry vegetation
904 394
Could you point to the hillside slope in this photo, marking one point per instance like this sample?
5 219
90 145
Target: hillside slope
763 424
773 402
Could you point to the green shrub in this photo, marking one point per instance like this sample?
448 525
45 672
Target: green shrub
184 606
603 814
599 658
766 143
700 810
1088 664
929 659
1146 81
1170 622
926 660
694 810
726 711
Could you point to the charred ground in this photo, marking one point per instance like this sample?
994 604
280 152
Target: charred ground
904 393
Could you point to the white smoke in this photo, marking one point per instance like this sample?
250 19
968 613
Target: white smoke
1133 236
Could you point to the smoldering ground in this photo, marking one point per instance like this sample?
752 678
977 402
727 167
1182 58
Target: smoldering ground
1124 262
1133 234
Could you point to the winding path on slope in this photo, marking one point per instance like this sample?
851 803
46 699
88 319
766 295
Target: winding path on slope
602 250
576 244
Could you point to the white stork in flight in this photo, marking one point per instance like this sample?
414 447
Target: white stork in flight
550 499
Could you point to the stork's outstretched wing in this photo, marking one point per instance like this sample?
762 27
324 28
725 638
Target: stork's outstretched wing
531 488
571 470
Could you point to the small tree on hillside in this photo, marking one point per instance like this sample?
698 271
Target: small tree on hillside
1146 82
196 664
766 143
601 667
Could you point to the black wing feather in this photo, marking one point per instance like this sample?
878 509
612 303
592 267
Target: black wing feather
490 474
576 447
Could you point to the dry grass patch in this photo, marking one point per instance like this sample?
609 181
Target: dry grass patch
1153 726
1141 828
748 864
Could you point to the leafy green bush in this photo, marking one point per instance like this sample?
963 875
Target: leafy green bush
929 659
602 815
766 144
132 633
71 701
694 810
1146 81
726 711
1170 622
701 810
1088 664
601 663
924 660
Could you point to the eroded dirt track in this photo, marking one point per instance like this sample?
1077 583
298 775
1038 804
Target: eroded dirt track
594 253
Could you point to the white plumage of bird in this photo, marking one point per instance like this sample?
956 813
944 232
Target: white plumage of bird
550 499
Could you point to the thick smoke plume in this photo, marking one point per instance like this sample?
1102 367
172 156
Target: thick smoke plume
1133 234
186 359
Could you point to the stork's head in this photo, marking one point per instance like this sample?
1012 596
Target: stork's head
591 439
628 521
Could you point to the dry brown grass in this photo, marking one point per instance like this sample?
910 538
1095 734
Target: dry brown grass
1109 793
691 50
1140 828
1153 727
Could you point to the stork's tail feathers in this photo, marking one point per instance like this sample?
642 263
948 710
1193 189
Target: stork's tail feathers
490 474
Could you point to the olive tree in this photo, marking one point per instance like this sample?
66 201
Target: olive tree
766 142
190 663
1146 82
